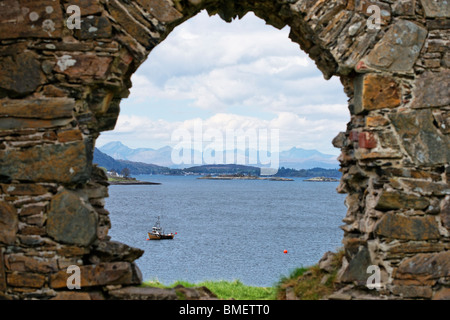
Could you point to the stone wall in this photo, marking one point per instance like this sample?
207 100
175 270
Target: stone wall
61 87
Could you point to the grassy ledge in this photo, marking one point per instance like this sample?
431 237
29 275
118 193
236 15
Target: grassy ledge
225 290
305 283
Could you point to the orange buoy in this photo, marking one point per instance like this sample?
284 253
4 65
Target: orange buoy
285 251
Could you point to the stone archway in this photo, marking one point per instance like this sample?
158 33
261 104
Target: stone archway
60 87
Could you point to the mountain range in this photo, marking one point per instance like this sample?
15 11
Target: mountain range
295 158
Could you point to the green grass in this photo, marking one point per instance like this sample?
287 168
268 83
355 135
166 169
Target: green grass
226 289
310 283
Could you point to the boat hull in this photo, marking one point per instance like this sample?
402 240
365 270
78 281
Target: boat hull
152 236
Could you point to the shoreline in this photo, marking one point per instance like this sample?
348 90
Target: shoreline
246 178
129 183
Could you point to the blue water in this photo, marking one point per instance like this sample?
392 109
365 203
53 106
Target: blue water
227 229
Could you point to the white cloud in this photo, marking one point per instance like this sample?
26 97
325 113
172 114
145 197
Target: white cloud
235 72
297 131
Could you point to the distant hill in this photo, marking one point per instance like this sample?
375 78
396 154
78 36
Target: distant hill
295 158
224 169
103 160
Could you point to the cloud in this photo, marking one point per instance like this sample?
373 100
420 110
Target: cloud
136 131
240 75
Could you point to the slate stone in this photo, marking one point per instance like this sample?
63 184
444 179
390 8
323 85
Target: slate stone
3 285
8 223
66 163
373 92
397 226
357 268
108 273
115 251
20 74
429 265
432 90
26 279
70 220
399 48
424 143
445 212
161 10
94 27
394 200
40 108
30 19
436 8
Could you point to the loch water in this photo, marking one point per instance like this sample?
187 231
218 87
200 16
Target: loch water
227 229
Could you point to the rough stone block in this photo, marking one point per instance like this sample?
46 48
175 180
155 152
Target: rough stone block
161 10
97 275
54 108
445 212
404 7
143 293
23 189
108 251
432 90
8 223
425 187
137 30
23 263
3 285
24 123
436 8
87 7
367 140
30 19
425 144
399 48
356 270
70 135
66 163
413 291
26 279
20 74
374 92
390 200
83 66
397 226
70 220
443 294
94 27
376 121
425 268
72 295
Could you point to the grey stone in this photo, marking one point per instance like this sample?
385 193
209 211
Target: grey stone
424 143
436 8
8 223
70 162
20 74
326 262
394 200
357 268
398 49
396 226
432 90
70 220
143 293
115 251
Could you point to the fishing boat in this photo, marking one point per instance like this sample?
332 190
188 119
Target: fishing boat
157 233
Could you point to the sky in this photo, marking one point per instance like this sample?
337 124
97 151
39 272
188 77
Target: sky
230 76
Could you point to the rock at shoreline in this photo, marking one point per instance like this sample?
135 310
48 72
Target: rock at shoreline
322 179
